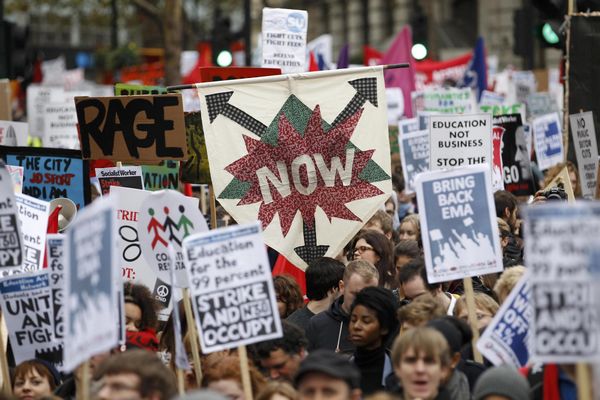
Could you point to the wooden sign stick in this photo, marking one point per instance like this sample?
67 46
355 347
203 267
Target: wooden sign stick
180 381
468 286
582 378
83 388
213 207
6 384
189 316
246 382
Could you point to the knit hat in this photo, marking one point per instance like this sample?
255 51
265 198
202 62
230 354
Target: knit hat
501 381
331 364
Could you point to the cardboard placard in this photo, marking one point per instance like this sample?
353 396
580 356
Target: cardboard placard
211 74
196 168
51 173
458 223
517 174
162 176
460 140
11 243
91 306
449 101
33 214
561 238
548 141
27 308
13 133
505 339
284 39
231 287
56 270
134 129
414 150
60 126
586 150
125 89
130 177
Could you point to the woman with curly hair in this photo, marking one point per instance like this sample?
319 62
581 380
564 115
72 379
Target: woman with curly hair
141 317
376 248
289 296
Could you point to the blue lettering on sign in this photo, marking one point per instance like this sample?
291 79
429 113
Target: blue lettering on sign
296 22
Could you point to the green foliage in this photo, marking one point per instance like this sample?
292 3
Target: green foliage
123 56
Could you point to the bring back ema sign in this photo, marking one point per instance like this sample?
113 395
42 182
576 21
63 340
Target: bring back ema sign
151 128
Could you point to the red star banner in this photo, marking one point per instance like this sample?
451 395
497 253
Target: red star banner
307 155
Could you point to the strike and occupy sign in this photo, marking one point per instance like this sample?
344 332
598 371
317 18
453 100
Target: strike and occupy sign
132 128
505 339
27 307
232 289
458 223
517 174
90 293
414 149
586 149
11 245
560 240
51 173
284 39
124 176
547 135
33 214
57 269
459 140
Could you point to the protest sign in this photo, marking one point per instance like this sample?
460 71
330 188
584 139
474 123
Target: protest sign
505 339
132 128
408 125
162 176
497 169
60 126
418 101
51 173
522 84
491 99
295 159
395 104
196 168
517 174
547 139
540 103
284 39
503 109
33 214
125 89
13 133
27 308
231 287
38 97
167 217
449 101
459 140
458 223
213 74
133 266
562 180
414 149
57 270
16 173
586 150
11 244
560 241
90 293
119 176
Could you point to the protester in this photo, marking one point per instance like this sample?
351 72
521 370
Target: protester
327 375
507 282
404 252
507 209
381 222
410 228
34 380
223 375
288 294
323 277
278 391
501 383
485 309
421 361
511 254
141 318
329 329
135 374
280 358
201 394
391 208
573 176
378 250
372 323
405 204
419 311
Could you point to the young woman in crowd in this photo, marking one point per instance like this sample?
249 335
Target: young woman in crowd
278 391
289 296
34 380
410 228
485 309
372 323
141 317
378 250
222 374
421 361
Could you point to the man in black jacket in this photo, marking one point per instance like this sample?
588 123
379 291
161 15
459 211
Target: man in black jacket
329 329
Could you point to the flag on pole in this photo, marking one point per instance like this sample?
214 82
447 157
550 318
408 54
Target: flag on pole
402 78
307 155
344 57
476 74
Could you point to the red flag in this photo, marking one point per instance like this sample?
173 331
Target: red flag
371 56
313 66
284 267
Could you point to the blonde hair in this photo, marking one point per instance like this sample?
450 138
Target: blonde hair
363 268
413 219
507 281
482 301
421 310
422 340
282 388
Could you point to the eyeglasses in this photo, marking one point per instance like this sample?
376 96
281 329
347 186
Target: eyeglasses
362 249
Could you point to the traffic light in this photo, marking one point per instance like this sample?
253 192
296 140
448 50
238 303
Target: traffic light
221 42
550 35
418 23
16 59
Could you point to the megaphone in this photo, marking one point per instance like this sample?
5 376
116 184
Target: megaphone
67 212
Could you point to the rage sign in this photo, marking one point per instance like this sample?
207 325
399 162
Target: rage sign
135 129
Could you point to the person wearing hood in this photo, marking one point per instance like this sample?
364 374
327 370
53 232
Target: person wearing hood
329 329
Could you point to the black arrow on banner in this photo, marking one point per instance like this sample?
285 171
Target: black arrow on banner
218 103
310 251
366 90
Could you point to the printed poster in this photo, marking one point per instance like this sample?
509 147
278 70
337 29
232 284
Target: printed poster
450 101
547 139
414 148
458 223
33 214
125 176
57 271
231 287
586 150
11 243
13 133
284 39
16 173
497 168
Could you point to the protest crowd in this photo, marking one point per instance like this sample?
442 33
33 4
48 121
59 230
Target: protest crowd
289 237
